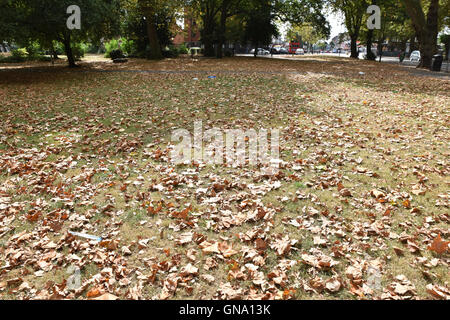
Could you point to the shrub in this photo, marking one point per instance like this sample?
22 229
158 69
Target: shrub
228 53
19 55
170 52
7 59
127 46
34 50
78 51
58 47
182 49
44 58
116 54
93 48
110 46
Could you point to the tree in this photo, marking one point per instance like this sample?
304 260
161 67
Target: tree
395 27
306 32
45 21
260 26
156 12
353 11
298 12
135 27
369 40
208 10
216 13
227 9
426 27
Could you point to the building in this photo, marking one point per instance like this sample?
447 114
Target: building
189 34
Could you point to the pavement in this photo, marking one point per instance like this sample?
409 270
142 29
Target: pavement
411 65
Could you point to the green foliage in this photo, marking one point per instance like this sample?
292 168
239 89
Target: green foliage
182 49
306 32
110 46
20 54
45 21
171 52
445 40
134 28
17 55
44 58
34 50
127 46
256 20
260 25
58 47
78 50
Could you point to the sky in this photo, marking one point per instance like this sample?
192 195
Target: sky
337 24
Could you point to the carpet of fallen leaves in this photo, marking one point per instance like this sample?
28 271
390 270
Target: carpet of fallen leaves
359 209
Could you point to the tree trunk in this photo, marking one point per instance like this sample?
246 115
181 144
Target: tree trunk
53 52
427 51
380 47
429 41
426 28
208 31
208 37
369 54
222 29
353 46
68 51
155 46
255 54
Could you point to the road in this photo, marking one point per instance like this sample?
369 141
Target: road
394 60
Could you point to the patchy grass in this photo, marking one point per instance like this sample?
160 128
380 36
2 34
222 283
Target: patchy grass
87 150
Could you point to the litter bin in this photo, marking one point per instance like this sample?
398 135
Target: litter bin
437 62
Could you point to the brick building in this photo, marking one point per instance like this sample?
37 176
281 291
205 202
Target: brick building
189 34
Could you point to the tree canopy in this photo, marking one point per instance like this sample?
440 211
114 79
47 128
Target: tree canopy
150 23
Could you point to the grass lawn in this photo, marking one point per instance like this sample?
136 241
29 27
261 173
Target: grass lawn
359 209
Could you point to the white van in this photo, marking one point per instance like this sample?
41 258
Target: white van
415 56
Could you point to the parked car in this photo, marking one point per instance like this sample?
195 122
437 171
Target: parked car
276 49
300 51
260 52
374 52
415 56
284 51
